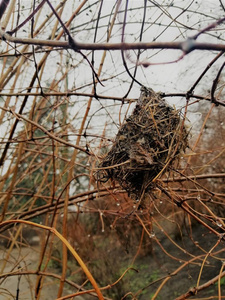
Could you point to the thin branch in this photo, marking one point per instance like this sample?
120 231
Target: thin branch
202 176
221 3
70 93
209 27
215 83
189 93
138 55
72 42
27 19
46 131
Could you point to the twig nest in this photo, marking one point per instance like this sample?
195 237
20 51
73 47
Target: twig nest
145 146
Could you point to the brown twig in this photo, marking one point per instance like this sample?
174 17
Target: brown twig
193 291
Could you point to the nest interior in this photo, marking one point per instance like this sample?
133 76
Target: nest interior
147 143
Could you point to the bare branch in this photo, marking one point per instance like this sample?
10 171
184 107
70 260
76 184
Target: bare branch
186 46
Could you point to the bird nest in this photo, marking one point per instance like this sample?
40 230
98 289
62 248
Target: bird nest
147 144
